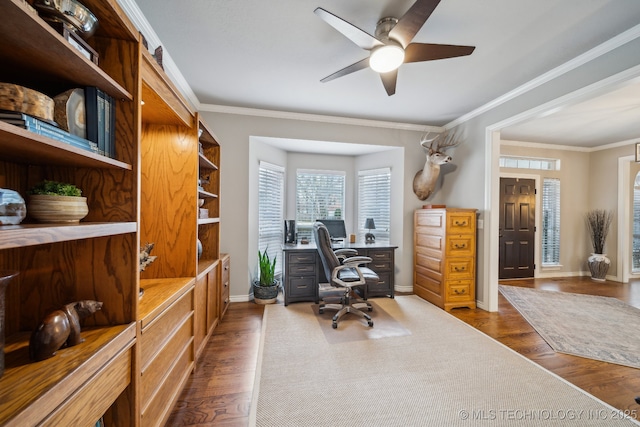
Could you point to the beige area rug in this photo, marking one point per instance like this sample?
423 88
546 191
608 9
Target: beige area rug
443 373
595 327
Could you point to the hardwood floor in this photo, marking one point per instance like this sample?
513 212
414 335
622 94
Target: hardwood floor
219 392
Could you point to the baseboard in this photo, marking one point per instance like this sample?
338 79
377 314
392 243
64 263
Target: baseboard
403 288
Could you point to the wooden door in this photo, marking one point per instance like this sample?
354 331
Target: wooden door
517 227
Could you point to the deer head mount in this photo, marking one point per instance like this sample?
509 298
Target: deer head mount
425 180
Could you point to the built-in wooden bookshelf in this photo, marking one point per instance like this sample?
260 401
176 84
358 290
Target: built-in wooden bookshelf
208 291
96 259
141 347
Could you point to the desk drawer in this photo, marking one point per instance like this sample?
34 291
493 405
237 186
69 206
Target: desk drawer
302 269
302 287
380 255
301 258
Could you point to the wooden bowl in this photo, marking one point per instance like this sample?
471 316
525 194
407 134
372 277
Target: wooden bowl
45 208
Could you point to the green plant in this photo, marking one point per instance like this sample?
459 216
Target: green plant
267 269
55 188
598 222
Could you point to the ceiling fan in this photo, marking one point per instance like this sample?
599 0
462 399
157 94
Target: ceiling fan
391 46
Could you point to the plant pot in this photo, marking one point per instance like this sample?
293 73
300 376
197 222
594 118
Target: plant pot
265 294
45 208
598 265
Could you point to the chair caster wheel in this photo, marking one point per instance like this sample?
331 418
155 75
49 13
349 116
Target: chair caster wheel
321 311
371 323
370 309
334 325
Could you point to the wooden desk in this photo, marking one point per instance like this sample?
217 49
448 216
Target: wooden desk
303 269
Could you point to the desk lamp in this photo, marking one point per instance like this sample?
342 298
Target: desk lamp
369 238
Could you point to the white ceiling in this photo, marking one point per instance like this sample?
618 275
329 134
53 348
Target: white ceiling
272 54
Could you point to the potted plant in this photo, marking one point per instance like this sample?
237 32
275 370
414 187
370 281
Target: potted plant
265 288
53 201
598 223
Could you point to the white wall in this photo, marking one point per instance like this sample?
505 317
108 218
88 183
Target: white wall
238 172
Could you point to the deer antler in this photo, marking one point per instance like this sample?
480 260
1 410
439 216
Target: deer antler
447 140
426 140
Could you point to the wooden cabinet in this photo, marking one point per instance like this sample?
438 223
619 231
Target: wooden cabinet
224 285
445 257
138 351
166 346
60 263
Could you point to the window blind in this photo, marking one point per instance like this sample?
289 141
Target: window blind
271 211
551 221
319 195
635 248
374 201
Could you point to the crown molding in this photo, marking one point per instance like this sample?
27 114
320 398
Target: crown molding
602 49
225 109
140 21
544 146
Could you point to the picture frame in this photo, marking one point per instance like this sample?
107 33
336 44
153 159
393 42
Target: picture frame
637 151
76 41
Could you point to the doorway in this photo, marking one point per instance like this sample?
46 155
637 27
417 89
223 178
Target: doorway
517 228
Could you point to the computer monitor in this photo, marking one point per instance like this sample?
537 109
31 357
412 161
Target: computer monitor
336 228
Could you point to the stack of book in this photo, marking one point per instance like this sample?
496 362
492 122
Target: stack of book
47 129
100 115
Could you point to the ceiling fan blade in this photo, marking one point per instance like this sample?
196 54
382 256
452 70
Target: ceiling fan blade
411 22
347 70
417 52
359 37
389 81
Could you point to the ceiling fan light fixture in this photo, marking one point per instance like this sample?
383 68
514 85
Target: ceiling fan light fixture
386 58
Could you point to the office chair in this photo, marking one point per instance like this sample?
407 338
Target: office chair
343 277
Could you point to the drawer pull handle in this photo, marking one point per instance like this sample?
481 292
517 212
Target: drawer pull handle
460 223
459 291
460 246
459 268
379 265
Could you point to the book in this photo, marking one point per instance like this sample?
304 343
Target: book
100 119
43 128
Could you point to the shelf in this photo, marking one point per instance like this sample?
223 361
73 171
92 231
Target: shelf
202 193
21 145
160 294
205 163
31 390
202 221
15 236
163 103
34 48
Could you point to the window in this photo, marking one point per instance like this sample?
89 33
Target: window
529 163
635 254
271 211
551 222
319 195
374 201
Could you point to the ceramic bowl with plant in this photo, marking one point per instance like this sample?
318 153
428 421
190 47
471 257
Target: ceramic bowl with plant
53 201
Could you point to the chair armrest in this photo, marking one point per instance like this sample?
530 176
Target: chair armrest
345 251
355 261
334 276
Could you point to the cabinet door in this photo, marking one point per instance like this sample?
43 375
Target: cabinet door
200 313
213 300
